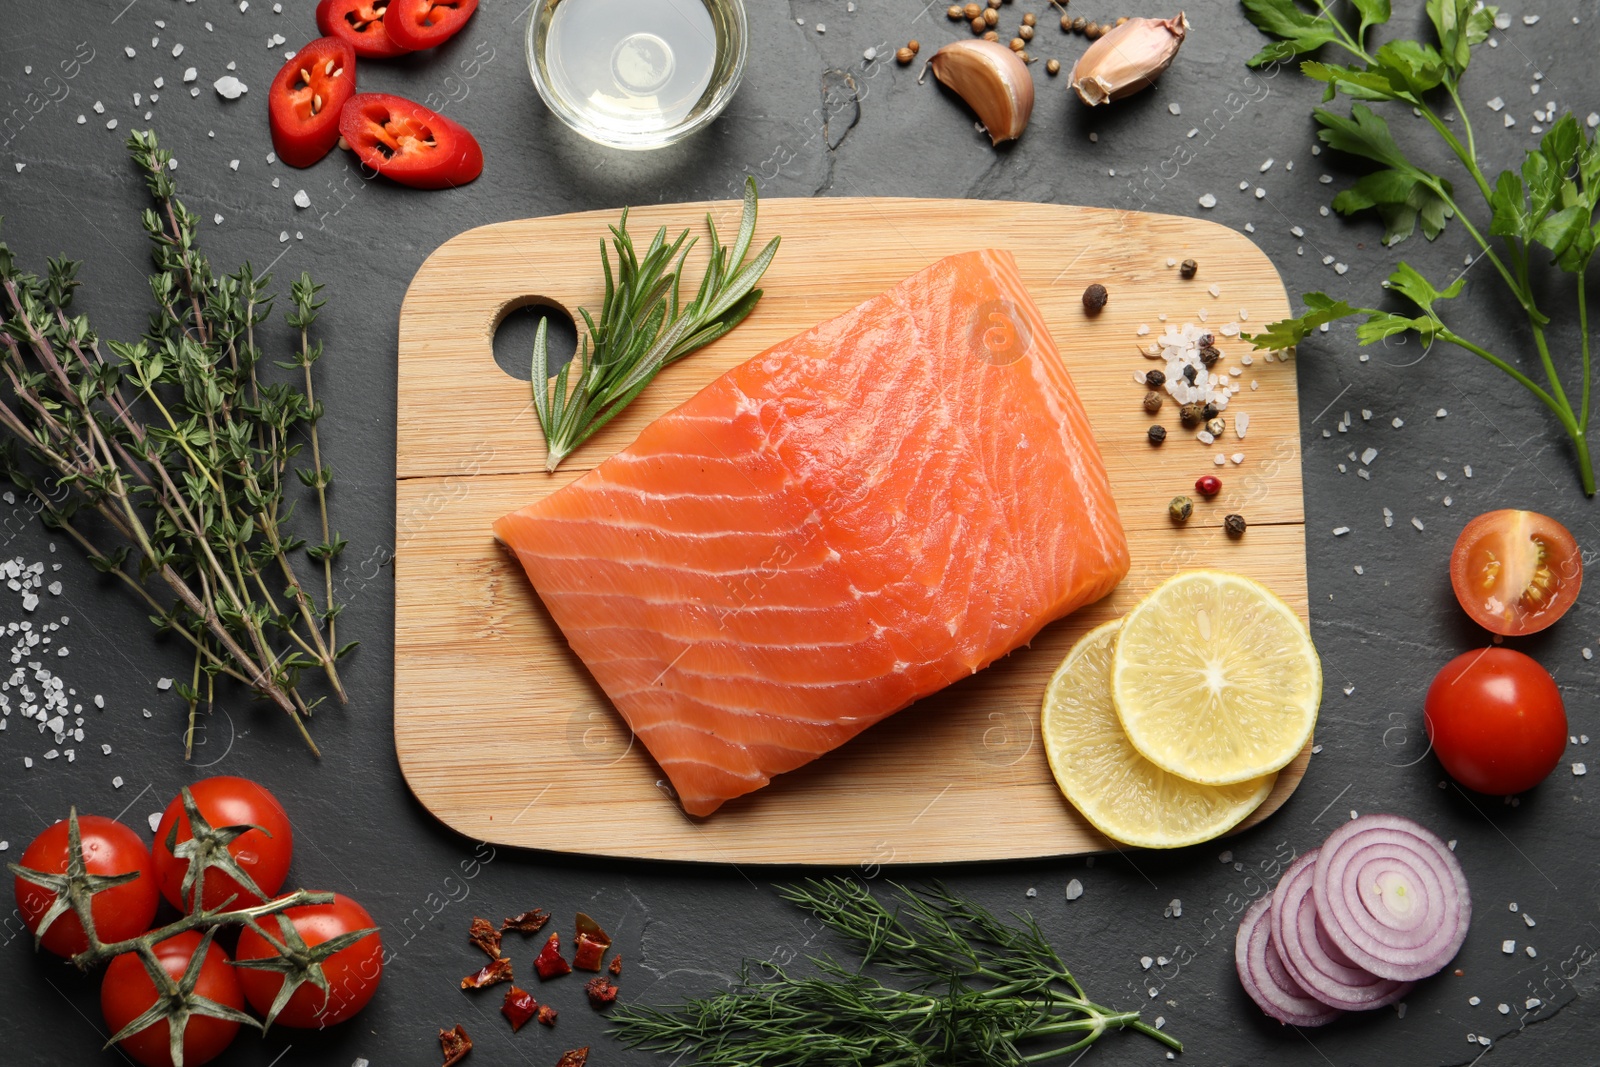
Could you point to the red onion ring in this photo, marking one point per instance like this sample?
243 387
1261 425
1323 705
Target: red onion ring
1311 959
1264 977
1391 897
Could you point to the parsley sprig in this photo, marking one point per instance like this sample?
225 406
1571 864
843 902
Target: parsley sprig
1549 203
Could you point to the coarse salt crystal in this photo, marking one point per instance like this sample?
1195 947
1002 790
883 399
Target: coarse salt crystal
1508 946
1397 422
1074 889
1367 457
1237 457
1340 531
1207 201
1579 770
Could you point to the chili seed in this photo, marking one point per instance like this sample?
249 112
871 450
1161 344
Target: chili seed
1187 268
1189 413
1180 509
1157 434
1094 298
1209 356
1190 373
904 56
1155 379
1235 525
1053 67
1152 402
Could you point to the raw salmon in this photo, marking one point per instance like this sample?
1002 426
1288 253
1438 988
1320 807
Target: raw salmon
854 518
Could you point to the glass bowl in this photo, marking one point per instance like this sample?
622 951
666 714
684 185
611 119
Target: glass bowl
637 74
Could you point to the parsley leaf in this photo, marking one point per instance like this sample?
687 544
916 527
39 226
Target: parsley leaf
1299 31
1286 333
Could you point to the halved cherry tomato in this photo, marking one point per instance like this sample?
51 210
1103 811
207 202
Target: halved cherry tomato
1496 721
307 97
119 911
127 992
1516 572
419 24
409 143
359 23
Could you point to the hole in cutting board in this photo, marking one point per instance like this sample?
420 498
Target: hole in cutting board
513 338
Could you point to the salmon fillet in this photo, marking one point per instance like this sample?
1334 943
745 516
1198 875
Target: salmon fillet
851 520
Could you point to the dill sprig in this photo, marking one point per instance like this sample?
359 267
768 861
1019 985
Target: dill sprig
972 990
642 326
166 460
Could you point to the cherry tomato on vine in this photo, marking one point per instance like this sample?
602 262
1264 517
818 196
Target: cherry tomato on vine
1496 720
353 971
262 854
127 991
419 24
360 23
306 97
108 848
1516 572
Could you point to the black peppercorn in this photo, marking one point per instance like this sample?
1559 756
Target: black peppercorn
1208 412
1094 298
1190 373
1180 509
1155 379
1157 434
1234 524
1209 356
1188 268
1190 414
1206 340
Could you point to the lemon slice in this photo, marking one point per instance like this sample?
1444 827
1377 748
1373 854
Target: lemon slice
1215 679
1124 795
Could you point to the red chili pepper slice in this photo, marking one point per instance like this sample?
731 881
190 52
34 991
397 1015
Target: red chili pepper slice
419 24
456 1044
518 1007
591 946
307 98
550 963
494 972
547 1015
361 24
575 1057
601 993
616 965
483 935
529 922
409 143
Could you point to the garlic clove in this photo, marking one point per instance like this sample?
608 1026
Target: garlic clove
992 80
1127 59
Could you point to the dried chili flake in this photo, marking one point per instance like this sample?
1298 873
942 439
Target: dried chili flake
575 1057
601 993
529 922
616 965
549 963
485 936
547 1015
591 946
455 1043
518 1007
493 973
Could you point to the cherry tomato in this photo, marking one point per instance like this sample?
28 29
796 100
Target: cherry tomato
127 991
262 854
359 23
409 143
1496 721
120 912
353 972
1516 572
306 98
419 24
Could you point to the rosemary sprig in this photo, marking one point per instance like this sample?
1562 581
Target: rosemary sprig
178 448
973 990
642 326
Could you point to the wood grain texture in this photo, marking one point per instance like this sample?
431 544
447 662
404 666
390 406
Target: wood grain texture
500 730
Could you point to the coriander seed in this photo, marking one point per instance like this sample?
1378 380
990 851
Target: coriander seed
1180 509
973 11
991 18
1155 379
904 56
1018 44
1094 298
1189 413
1235 525
1025 32
1053 67
993 4
954 12
1121 19
1066 23
1157 434
978 25
1092 30
1030 19
915 45
1188 268
990 35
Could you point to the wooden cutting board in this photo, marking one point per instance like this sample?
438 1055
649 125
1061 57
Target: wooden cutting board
503 734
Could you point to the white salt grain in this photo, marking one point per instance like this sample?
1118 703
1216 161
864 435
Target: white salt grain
1340 531
1508 947
1074 889
1416 522
1579 770
1207 201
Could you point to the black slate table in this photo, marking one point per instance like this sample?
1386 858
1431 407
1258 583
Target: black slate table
813 117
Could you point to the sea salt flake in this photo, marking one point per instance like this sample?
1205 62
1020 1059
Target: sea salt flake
1579 770
302 199
1416 522
1074 889
1508 947
1368 456
1207 201
1474 1001
1532 952
164 684
1496 104
1340 531
229 88
116 783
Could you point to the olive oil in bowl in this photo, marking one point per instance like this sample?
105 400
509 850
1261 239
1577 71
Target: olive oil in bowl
637 73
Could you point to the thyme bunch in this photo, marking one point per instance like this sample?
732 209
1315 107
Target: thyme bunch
972 989
1545 208
166 459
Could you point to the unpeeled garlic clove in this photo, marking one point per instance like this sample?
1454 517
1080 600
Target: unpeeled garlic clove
993 82
1128 59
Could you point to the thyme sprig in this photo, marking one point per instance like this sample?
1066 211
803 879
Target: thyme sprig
1548 203
972 989
165 460
642 326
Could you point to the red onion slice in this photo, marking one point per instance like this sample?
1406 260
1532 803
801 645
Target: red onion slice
1391 897
1264 977
1311 959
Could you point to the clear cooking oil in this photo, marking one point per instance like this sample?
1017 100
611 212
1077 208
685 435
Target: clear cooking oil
629 72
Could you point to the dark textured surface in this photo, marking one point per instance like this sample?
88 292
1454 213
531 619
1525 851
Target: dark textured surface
813 118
